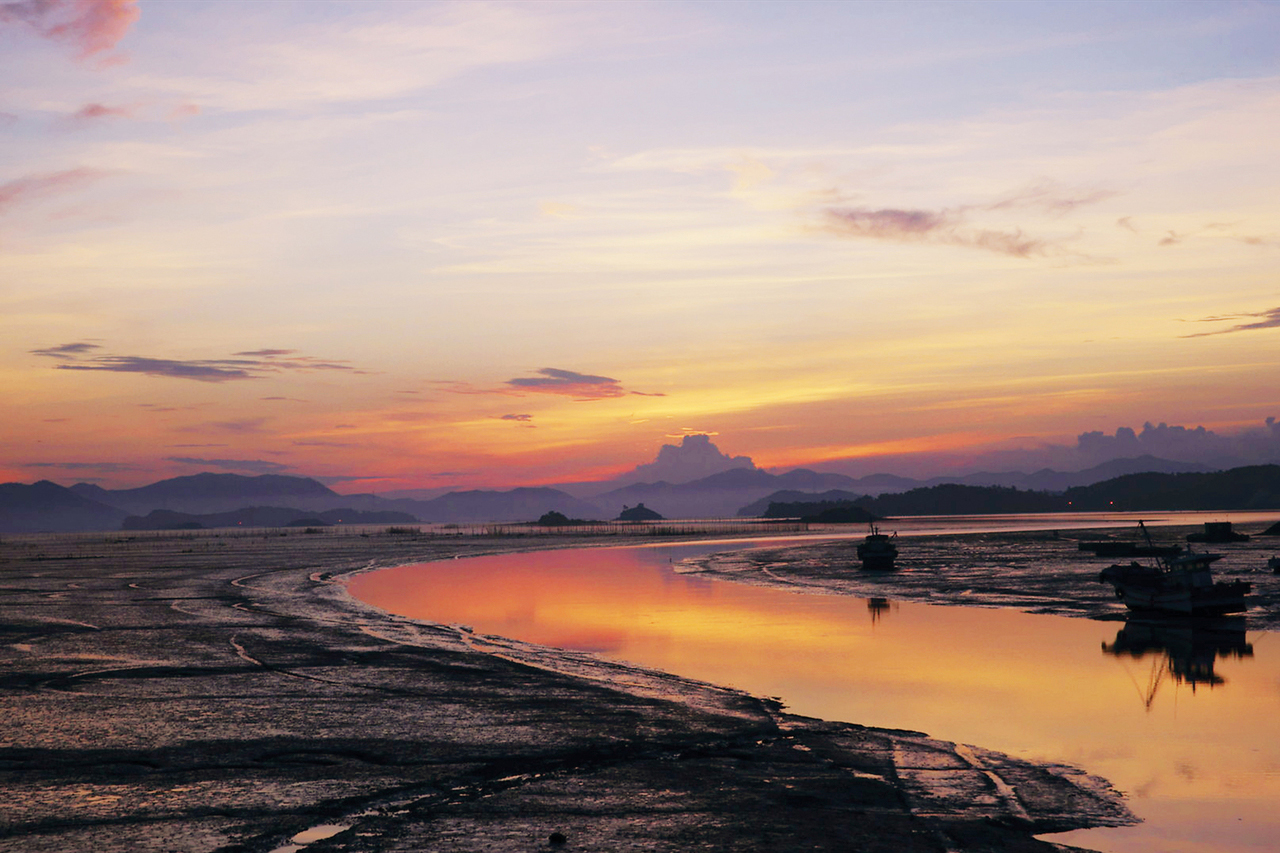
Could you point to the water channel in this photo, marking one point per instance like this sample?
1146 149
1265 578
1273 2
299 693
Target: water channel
1184 721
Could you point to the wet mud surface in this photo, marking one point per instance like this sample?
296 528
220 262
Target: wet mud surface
1036 572
210 693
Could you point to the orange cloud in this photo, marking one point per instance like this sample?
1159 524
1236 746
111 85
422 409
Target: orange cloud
91 26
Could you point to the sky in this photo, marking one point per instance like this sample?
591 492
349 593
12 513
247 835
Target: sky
399 245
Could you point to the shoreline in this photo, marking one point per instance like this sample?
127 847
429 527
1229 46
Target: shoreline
224 693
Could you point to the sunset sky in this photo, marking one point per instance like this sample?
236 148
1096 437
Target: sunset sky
415 244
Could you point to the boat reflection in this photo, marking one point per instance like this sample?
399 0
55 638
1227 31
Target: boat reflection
877 607
1185 651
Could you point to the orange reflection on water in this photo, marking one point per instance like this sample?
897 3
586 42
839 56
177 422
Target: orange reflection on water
1118 703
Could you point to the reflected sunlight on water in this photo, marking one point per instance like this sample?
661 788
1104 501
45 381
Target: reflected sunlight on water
1184 724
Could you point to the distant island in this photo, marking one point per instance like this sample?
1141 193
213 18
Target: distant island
639 512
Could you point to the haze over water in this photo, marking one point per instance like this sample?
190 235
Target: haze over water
1199 762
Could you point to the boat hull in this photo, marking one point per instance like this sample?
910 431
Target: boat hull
1220 600
1191 592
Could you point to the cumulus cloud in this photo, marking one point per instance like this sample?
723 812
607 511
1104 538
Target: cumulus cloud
36 187
91 27
568 383
1185 444
256 466
257 364
1270 320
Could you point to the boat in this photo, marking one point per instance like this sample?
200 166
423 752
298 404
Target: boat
1274 565
877 550
1181 585
1217 532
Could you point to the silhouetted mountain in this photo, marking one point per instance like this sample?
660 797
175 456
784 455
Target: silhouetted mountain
521 504
821 512
1251 487
260 516
958 499
209 493
46 506
757 509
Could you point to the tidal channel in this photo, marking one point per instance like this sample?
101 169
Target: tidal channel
1184 721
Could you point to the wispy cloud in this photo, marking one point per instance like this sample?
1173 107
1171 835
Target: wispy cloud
246 425
256 364
92 27
955 226
104 467
67 350
1050 198
522 418
33 188
1270 320
256 466
943 227
568 383
90 113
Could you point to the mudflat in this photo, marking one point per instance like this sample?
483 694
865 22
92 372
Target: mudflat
220 691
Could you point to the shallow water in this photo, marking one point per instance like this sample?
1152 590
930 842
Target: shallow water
1184 722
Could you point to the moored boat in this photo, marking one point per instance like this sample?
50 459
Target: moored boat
877 550
1181 584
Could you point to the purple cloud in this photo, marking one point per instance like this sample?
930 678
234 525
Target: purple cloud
255 365
105 467
929 226
257 466
66 350
568 383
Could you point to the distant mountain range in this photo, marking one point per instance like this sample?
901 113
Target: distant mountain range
46 506
270 500
232 499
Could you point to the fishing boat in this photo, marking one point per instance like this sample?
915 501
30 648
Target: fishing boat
877 550
1181 584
